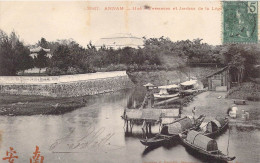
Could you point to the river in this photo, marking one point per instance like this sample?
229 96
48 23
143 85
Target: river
95 133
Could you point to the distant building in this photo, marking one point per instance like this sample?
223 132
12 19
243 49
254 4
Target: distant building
120 40
35 51
219 81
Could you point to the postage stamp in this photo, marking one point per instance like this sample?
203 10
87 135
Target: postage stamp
240 21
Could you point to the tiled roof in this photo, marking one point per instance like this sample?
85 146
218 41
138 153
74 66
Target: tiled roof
38 49
219 71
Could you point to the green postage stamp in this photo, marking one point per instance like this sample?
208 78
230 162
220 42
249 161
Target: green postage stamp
240 22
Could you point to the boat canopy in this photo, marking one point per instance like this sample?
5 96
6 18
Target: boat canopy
202 141
221 120
216 122
213 125
191 82
149 85
163 92
180 126
168 86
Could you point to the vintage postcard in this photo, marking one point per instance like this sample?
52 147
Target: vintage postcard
106 81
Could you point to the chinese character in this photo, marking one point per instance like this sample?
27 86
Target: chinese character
37 155
10 155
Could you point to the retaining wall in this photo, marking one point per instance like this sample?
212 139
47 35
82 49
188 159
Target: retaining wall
68 85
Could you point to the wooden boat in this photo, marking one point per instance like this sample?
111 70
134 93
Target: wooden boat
167 91
171 131
203 145
165 96
157 140
189 87
216 127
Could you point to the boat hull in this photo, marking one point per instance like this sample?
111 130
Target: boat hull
158 140
198 151
218 132
158 96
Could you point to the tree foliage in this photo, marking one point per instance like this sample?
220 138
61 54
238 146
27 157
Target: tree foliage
241 60
68 57
14 56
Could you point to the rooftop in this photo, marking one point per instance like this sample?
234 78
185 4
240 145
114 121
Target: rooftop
38 49
120 40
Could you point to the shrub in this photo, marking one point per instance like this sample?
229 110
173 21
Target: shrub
54 71
73 70
247 91
119 67
146 67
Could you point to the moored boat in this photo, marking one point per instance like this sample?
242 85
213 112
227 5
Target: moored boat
170 132
216 127
167 91
189 87
201 144
157 140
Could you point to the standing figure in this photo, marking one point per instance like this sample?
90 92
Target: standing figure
233 112
193 112
149 97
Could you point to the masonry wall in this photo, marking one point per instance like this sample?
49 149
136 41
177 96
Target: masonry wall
70 89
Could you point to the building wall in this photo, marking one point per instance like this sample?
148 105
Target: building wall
219 80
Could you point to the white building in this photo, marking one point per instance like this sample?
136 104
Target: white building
120 40
35 51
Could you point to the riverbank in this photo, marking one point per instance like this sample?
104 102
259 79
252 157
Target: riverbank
26 105
246 91
214 104
13 105
178 75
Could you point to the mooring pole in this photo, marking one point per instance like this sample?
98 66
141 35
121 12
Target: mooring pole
126 125
150 128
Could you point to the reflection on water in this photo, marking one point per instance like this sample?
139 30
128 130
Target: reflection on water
96 133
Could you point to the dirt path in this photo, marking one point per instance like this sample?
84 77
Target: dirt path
212 104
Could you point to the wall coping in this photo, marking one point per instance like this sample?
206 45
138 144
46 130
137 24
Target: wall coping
21 80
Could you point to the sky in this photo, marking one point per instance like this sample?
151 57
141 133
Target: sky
83 23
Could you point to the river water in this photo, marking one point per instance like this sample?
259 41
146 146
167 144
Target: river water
95 133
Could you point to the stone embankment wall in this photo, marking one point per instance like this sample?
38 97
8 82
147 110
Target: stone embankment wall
66 86
172 76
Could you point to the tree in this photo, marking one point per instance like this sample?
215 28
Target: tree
14 38
241 60
14 56
61 58
43 43
22 57
41 61
7 62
